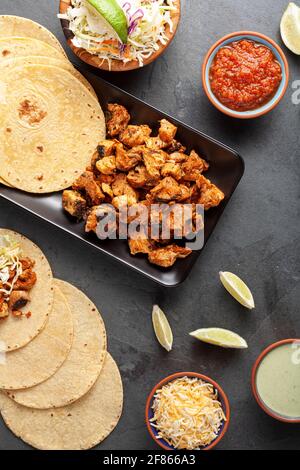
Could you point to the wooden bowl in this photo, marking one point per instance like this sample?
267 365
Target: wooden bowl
117 65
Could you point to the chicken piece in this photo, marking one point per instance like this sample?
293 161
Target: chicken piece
169 190
121 187
210 194
118 119
166 256
107 179
4 312
175 220
177 157
155 143
123 192
87 184
107 165
133 136
26 280
172 169
167 131
74 203
106 148
141 211
140 245
154 160
18 299
106 188
175 146
194 167
26 263
140 178
96 215
124 200
127 160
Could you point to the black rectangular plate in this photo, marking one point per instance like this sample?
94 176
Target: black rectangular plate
226 170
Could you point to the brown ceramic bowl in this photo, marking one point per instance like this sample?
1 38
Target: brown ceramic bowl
257 397
221 396
117 65
260 39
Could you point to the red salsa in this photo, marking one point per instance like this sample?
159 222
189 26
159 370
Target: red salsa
245 75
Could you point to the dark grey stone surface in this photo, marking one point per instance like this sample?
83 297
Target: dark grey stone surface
258 238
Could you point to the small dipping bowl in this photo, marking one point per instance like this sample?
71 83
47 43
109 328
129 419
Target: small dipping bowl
258 38
276 380
221 397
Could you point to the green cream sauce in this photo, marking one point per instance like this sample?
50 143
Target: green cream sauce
278 380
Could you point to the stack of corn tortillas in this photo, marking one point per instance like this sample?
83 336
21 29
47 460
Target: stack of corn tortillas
60 389
50 117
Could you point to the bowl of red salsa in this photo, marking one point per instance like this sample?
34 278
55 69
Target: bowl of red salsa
245 74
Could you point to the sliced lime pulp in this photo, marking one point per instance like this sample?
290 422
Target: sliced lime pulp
114 15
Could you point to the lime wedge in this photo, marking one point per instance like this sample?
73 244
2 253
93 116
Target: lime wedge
114 15
220 337
162 328
290 28
238 289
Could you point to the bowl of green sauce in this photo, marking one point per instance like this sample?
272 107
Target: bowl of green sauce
276 380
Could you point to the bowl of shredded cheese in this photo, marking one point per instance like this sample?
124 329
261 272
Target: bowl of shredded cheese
187 411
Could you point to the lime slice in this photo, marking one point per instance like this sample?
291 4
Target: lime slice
220 337
290 28
238 289
114 15
162 328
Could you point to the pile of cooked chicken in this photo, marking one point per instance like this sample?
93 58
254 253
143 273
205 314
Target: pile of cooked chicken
14 293
133 168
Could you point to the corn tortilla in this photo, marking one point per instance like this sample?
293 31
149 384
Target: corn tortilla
83 365
43 356
5 183
17 332
21 47
50 126
44 60
17 26
78 426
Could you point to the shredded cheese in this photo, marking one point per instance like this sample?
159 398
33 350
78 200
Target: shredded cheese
187 413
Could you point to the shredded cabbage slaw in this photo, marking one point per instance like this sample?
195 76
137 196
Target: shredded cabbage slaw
147 22
9 261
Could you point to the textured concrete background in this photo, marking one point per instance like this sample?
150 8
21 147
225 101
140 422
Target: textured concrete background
258 238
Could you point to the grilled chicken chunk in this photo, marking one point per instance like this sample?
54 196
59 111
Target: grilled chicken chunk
169 190
87 184
107 165
133 136
140 178
74 203
118 119
97 214
26 280
140 245
127 160
210 194
167 131
18 299
154 160
166 256
172 169
194 167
